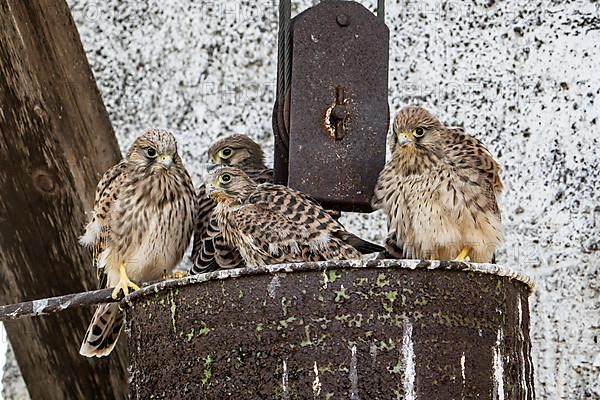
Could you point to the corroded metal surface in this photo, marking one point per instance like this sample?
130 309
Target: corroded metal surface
334 107
355 330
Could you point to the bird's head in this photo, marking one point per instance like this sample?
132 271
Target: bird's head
237 151
154 150
228 184
416 127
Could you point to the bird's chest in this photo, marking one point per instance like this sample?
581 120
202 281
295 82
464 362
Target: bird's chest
243 241
151 235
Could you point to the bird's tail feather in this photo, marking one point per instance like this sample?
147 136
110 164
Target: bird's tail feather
361 245
103 332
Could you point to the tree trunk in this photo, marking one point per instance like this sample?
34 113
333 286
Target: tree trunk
56 141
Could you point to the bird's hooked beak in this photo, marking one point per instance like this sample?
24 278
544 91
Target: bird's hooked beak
211 165
403 138
165 160
210 188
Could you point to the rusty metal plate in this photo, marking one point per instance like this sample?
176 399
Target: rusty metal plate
345 330
339 113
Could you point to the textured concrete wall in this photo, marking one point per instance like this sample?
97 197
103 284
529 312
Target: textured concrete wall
521 75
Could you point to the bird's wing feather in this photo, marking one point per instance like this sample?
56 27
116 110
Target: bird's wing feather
306 222
214 251
477 157
107 192
269 232
204 209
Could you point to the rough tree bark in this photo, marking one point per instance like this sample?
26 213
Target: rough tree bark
55 142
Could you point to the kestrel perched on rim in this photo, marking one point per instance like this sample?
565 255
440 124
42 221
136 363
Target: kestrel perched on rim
439 192
140 228
271 224
210 251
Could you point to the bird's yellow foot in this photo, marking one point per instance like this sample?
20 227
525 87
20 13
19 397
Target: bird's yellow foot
463 255
124 284
174 275
178 274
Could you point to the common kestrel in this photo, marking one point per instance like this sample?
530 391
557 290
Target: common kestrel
210 250
140 228
439 191
271 224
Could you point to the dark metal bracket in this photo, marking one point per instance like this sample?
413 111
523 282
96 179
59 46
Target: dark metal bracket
331 110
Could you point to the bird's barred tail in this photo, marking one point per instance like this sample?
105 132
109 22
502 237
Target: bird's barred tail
103 332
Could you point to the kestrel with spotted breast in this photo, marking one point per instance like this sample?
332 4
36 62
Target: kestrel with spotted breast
439 192
271 224
140 228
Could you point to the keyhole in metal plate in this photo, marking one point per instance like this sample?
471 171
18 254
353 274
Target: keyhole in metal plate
337 114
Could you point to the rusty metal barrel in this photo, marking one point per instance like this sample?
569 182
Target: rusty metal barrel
379 329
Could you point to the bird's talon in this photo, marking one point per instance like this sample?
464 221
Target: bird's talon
463 255
124 285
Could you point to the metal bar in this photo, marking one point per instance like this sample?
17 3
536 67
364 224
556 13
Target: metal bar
55 304
284 13
281 137
381 9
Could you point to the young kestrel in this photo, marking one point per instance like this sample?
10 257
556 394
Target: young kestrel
210 250
140 228
439 191
271 224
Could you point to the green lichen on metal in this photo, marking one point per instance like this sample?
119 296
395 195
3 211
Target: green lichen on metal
325 369
207 372
324 322
341 294
398 368
333 275
382 345
173 307
329 276
388 302
189 336
361 281
421 301
342 318
283 324
307 341
284 306
382 280
204 330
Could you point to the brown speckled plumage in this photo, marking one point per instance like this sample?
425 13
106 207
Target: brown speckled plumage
210 250
271 224
439 191
141 224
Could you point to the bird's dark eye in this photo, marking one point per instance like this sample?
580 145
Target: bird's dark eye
419 132
226 152
225 179
151 153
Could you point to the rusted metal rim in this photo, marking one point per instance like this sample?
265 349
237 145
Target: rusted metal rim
491 269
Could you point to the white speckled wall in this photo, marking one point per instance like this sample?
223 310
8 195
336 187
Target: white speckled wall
521 75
